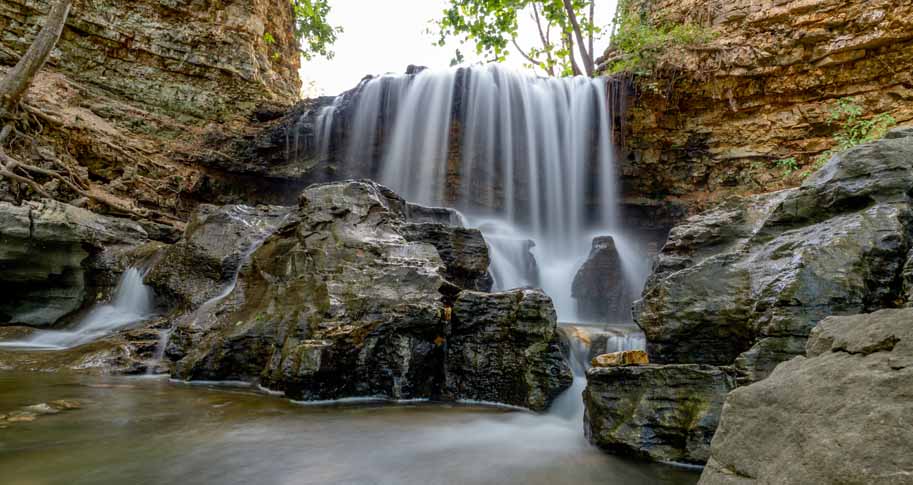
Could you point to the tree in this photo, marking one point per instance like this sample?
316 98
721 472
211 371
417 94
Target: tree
566 31
311 28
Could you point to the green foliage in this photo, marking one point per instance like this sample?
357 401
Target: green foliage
853 129
789 165
268 38
492 26
315 36
639 43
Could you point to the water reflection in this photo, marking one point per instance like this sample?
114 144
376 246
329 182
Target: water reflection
132 430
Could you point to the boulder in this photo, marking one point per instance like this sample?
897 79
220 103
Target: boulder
625 357
52 256
838 415
661 412
504 347
348 299
745 283
600 285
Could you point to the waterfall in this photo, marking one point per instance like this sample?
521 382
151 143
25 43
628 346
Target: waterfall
533 154
131 303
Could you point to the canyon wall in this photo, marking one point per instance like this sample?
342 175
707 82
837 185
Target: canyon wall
714 120
133 87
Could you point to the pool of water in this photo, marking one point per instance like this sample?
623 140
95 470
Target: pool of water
143 430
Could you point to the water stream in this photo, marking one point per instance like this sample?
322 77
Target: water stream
151 431
131 303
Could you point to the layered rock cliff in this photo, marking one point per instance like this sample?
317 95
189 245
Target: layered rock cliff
133 87
713 121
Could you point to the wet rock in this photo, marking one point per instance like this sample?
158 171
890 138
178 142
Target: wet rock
746 282
50 254
463 251
503 347
600 287
838 415
626 357
661 412
205 261
597 341
339 302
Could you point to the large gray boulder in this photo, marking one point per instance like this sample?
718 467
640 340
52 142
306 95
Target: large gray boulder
839 415
53 259
347 299
746 282
661 412
504 347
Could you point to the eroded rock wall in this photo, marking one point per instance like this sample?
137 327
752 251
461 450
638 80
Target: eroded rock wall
714 120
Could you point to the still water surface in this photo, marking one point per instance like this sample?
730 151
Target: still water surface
152 431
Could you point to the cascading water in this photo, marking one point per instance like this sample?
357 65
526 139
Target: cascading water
532 154
132 303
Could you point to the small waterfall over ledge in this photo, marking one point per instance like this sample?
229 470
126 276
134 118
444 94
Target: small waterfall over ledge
131 303
529 160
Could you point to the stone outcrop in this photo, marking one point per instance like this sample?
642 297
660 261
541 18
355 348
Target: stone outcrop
55 258
600 287
661 412
503 347
463 252
747 282
838 415
712 121
339 302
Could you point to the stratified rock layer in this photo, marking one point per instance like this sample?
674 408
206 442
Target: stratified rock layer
839 415
661 412
747 282
715 119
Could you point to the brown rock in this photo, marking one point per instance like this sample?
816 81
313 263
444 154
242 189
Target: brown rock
627 357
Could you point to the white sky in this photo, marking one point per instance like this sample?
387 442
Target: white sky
387 35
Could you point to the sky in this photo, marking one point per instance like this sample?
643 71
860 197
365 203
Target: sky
382 36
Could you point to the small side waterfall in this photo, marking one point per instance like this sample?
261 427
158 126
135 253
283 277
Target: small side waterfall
569 405
132 302
530 158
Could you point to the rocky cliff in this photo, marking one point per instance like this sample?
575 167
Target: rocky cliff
713 121
133 87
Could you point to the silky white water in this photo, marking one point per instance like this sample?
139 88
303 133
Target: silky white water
528 158
131 303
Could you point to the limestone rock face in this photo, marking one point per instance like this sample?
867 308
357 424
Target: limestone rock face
761 91
600 287
504 347
49 256
661 412
175 56
339 302
747 282
839 415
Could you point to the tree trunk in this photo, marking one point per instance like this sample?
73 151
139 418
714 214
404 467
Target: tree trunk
584 55
18 79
